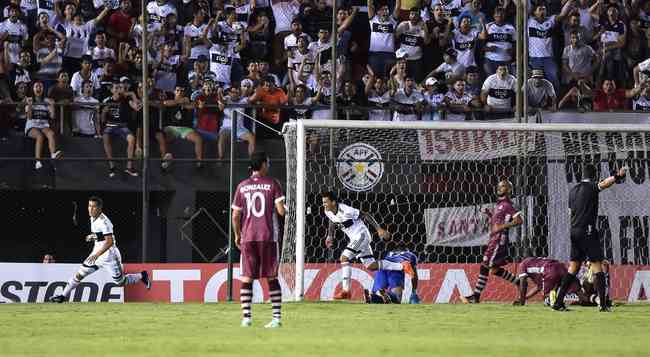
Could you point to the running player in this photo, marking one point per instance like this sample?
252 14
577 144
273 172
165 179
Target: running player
256 229
104 254
351 221
495 257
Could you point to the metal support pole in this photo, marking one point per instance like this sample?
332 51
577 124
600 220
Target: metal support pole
231 193
520 68
145 134
334 66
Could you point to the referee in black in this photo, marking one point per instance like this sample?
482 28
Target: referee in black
585 241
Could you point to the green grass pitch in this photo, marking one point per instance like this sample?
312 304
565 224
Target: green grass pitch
321 329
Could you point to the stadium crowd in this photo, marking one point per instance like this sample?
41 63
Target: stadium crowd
401 60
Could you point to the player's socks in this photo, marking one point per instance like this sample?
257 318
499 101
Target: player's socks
72 283
275 294
601 288
347 274
133 278
567 280
386 265
506 275
246 298
482 280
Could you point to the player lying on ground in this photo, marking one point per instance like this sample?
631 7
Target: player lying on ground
351 222
388 284
255 225
585 240
104 254
495 257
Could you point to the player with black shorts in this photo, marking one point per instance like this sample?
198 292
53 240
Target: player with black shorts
585 240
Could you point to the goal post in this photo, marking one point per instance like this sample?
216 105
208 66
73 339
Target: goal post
418 176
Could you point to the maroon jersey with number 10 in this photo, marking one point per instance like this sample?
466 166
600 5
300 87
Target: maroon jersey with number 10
256 197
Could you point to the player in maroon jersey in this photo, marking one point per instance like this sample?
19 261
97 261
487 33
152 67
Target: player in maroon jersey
495 257
256 228
544 272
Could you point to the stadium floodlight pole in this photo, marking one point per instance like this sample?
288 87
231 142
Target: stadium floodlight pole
300 210
519 70
145 130
231 193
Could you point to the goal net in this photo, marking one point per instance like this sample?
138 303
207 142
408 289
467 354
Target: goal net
429 183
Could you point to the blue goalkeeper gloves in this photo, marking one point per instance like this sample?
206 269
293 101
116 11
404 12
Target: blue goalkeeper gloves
414 299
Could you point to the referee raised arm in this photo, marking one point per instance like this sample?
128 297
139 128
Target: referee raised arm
585 241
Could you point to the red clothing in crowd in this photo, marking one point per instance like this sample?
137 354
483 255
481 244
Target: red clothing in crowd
613 101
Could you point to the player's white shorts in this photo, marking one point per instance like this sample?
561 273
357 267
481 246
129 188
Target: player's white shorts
359 247
110 261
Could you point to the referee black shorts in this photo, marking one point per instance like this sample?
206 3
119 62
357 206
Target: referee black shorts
585 244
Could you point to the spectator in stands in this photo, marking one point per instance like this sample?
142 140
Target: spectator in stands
434 95
351 103
234 37
641 72
407 102
451 8
473 83
84 74
500 37
158 10
399 72
23 70
284 11
209 114
540 92
116 114
612 40
641 102
450 69
48 259
376 90
178 122
100 52
498 93
195 40
588 15
14 33
578 60
477 18
166 68
120 22
265 72
62 93
260 34
291 41
573 25
413 36
270 95
540 40
299 96
106 77
85 116
200 74
49 55
77 34
609 98
301 64
438 25
636 44
39 112
242 133
381 57
465 40
459 104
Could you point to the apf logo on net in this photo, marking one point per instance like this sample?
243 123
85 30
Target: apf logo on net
359 167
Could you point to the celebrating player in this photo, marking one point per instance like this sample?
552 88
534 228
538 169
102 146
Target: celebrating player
351 222
256 235
104 255
495 257
388 284
585 242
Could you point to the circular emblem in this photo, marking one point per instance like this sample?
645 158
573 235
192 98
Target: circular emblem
359 167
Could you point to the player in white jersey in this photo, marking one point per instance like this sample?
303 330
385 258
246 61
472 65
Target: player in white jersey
104 255
351 221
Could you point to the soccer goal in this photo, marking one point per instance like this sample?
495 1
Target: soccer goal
430 184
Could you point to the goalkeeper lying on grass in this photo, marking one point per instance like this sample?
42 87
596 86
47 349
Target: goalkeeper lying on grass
389 284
